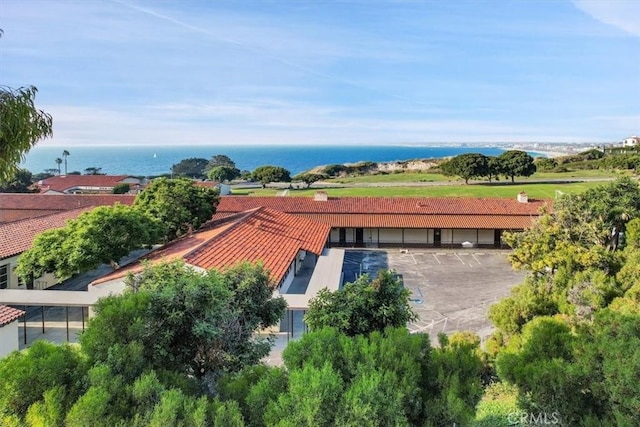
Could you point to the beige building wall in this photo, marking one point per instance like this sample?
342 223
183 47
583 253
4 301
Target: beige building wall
43 282
8 338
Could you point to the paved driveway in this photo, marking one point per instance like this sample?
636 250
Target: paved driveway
451 289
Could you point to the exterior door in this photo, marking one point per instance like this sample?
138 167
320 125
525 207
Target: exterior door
359 237
497 238
437 237
343 236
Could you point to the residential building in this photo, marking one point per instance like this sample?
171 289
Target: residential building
9 329
632 141
283 243
18 236
402 221
87 184
15 206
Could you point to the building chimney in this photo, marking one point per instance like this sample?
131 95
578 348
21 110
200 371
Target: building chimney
522 197
320 196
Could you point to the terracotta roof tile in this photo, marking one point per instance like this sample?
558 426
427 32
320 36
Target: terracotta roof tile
60 202
9 314
65 182
16 237
397 212
384 205
261 234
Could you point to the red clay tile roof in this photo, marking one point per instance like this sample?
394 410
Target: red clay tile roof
265 235
397 212
9 314
60 202
16 237
66 182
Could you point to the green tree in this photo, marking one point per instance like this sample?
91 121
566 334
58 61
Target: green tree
180 205
466 166
92 170
363 306
122 188
267 174
200 325
21 182
546 163
26 377
22 125
313 398
516 163
310 178
102 235
59 162
193 167
65 154
223 173
220 160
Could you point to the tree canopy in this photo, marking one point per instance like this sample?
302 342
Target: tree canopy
516 163
193 167
179 204
363 306
21 182
466 166
267 174
223 173
102 235
309 178
22 125
220 160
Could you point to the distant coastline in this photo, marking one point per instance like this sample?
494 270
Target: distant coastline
158 160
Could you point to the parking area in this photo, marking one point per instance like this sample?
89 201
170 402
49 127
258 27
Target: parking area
451 290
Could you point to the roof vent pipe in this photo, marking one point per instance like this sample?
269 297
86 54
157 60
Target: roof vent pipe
522 197
320 196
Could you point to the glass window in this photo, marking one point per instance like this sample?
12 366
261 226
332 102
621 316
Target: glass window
4 276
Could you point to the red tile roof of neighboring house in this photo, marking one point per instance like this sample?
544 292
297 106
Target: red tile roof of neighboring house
9 314
66 182
261 234
60 202
20 206
16 237
397 212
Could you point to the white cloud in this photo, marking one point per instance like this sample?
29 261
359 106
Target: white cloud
622 14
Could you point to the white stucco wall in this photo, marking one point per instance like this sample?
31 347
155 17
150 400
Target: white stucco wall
415 235
445 237
288 279
391 236
43 282
485 237
8 338
460 236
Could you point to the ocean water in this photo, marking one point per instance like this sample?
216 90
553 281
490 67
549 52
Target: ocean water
152 161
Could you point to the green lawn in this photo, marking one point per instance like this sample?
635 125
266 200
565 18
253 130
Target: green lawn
435 177
534 190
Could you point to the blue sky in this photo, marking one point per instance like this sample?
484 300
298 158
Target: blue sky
131 72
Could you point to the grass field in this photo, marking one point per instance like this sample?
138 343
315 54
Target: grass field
533 190
435 177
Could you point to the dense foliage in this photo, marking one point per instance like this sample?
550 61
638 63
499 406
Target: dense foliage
267 174
310 178
223 173
573 327
20 182
510 164
193 167
149 357
363 306
22 125
102 235
179 204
